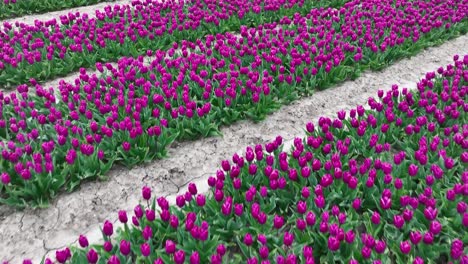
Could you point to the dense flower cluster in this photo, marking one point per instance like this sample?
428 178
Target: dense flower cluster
57 138
58 47
386 185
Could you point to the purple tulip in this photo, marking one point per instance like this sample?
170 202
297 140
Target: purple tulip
405 247
248 239
238 209
462 207
310 218
415 237
201 200
170 247
288 239
179 257
125 247
349 236
319 201
435 227
146 192
62 255
385 203
380 246
428 238
5 178
375 218
226 208
147 233
356 204
126 146
113 260
418 260
108 246
430 213
123 216
398 221
221 249
108 228
366 252
195 258
145 249
278 222
92 256
151 215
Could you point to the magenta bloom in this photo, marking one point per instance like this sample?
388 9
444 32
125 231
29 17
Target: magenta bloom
380 246
333 243
248 239
264 252
146 192
430 213
179 257
145 249
170 247
278 222
83 241
174 221
62 255
226 208
126 146
123 216
221 249
238 209
366 252
415 237
108 228
385 202
405 247
413 170
147 233
92 256
5 178
398 221
192 188
195 258
288 239
375 218
113 260
125 247
356 204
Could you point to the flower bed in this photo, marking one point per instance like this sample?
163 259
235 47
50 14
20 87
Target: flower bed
54 48
132 113
14 8
386 185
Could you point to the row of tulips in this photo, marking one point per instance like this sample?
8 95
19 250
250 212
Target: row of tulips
13 8
55 139
54 48
385 185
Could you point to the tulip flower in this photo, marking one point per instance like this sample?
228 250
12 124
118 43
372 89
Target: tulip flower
405 247
108 229
125 247
83 241
145 249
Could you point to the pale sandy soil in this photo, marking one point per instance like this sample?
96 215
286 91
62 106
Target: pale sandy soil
34 233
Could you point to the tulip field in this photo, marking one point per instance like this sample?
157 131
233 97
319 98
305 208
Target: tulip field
382 183
386 185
